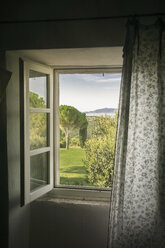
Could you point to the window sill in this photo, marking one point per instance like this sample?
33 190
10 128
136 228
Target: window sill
54 200
96 195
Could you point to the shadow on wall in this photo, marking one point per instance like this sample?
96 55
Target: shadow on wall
73 225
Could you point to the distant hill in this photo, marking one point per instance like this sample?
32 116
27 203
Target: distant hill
108 111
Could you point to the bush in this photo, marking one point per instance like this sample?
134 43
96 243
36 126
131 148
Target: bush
62 139
100 152
82 136
74 141
62 144
37 141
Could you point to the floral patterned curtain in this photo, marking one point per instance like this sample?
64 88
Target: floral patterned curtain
137 216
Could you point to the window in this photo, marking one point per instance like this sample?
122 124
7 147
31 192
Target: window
74 88
43 158
38 111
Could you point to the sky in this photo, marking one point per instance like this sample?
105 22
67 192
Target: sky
38 85
88 92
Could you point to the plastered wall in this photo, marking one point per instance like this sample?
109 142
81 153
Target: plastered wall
67 34
59 224
45 223
19 217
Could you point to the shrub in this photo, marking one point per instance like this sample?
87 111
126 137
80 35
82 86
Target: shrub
100 152
82 136
63 143
74 141
62 139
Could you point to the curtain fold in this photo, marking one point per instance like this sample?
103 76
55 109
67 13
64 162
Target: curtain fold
137 213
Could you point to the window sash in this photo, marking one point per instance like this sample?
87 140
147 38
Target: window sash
40 110
53 110
32 195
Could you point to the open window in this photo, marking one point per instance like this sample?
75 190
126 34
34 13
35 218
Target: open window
43 97
38 127
94 93
45 166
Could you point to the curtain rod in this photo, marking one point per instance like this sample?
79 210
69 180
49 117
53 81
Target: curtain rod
83 18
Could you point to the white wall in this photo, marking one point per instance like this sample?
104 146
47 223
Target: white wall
18 216
58 224
45 223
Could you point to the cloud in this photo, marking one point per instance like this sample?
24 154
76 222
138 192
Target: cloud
107 78
93 78
90 91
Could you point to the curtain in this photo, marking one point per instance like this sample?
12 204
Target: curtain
137 213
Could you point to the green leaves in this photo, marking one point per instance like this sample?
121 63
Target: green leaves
100 152
35 101
71 118
38 122
82 136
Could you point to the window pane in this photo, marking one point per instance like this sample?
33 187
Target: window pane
38 130
38 84
38 170
87 139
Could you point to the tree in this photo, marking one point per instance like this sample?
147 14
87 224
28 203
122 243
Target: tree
62 139
36 101
82 136
70 118
83 130
38 122
100 151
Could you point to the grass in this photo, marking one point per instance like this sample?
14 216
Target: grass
72 170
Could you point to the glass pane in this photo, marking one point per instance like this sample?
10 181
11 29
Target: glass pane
38 130
38 170
88 121
38 84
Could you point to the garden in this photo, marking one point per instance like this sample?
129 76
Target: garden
87 144
86 148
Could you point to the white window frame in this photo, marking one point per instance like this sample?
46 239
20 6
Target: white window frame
54 187
69 191
28 195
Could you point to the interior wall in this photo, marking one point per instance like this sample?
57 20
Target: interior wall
19 217
4 213
68 34
59 224
76 57
30 9
43 223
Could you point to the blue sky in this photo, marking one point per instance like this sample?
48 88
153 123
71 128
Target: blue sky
38 85
88 92
85 92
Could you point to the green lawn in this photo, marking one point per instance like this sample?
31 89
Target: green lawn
72 170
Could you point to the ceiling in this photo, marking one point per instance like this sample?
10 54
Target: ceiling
101 56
